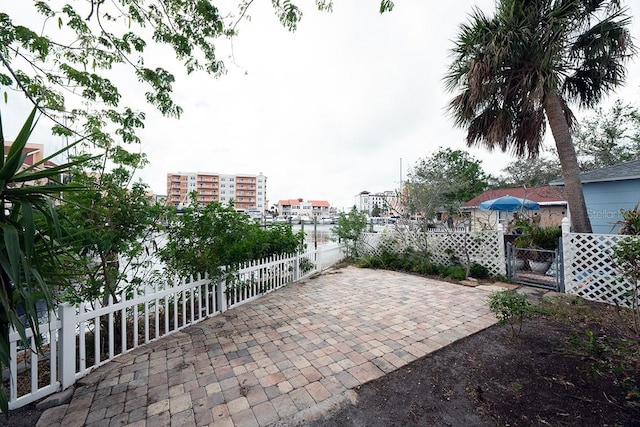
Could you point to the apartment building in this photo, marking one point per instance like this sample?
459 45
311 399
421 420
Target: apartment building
387 202
248 192
299 208
34 154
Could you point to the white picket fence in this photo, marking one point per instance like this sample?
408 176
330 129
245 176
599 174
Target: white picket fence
81 338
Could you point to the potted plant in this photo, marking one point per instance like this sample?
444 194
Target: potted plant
541 241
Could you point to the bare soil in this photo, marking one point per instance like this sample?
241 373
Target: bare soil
574 364
553 374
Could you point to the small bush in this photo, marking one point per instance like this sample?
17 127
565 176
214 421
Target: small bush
479 271
455 273
510 307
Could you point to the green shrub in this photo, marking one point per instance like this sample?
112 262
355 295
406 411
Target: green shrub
510 307
455 273
479 271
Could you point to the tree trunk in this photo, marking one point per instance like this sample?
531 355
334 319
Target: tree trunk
568 162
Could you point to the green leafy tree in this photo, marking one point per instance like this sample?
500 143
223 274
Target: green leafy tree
529 173
609 137
112 221
61 60
349 228
204 239
517 70
444 181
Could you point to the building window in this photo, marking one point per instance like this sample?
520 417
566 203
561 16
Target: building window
232 179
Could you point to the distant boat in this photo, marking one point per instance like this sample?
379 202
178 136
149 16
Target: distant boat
380 224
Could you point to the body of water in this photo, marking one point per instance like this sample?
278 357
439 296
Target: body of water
319 234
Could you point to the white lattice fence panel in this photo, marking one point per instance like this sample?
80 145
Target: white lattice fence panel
484 247
369 243
590 271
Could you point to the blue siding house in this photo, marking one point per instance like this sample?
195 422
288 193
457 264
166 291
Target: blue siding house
607 191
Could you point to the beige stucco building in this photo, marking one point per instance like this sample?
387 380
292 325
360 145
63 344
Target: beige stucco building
553 207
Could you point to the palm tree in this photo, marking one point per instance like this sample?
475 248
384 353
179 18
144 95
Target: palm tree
520 68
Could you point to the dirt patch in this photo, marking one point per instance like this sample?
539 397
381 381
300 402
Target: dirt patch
576 366
27 416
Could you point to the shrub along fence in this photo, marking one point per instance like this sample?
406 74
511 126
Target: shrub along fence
588 267
81 338
444 247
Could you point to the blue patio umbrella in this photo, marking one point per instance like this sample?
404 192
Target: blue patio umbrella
509 204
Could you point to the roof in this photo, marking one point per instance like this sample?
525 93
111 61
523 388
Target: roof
34 153
289 202
619 172
296 202
545 195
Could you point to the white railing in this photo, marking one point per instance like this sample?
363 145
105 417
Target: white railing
81 338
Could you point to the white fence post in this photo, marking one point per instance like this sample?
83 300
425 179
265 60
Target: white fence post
67 345
221 296
502 258
567 253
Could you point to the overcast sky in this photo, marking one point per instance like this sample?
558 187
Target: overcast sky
325 112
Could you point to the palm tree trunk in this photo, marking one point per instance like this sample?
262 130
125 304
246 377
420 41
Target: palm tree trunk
568 161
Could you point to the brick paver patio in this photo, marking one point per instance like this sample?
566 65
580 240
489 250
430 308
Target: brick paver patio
281 358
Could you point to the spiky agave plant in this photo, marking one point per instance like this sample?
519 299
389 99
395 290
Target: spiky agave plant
29 238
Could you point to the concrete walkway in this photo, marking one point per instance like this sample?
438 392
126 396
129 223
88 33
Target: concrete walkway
282 359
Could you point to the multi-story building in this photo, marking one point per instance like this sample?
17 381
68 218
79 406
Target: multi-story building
299 208
248 192
33 155
388 203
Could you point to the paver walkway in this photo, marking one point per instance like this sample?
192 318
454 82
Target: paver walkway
282 358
